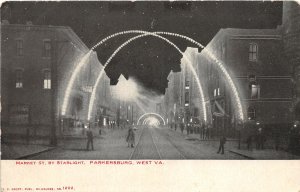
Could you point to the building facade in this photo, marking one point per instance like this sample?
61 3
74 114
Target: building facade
290 30
263 66
36 64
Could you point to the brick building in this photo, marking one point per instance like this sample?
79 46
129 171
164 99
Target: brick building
263 65
36 62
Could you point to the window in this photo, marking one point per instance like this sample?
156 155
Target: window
47 48
187 85
121 6
19 47
19 78
184 6
215 92
251 113
187 97
47 79
218 91
253 50
255 91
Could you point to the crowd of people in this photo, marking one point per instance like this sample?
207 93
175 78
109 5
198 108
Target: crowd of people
258 138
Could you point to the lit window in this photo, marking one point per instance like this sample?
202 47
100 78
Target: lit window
255 91
187 85
187 97
47 48
251 113
253 50
215 92
19 79
19 47
47 80
219 91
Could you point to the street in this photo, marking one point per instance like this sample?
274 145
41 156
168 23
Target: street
151 143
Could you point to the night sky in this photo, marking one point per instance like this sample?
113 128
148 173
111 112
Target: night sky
148 59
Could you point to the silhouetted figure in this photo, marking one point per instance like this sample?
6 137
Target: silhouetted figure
293 137
130 138
222 143
205 132
27 135
181 127
260 139
89 134
249 142
188 128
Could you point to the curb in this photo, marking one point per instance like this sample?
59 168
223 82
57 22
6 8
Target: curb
246 156
37 153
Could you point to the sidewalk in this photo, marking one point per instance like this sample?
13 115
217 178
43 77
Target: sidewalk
232 146
21 151
17 148
266 154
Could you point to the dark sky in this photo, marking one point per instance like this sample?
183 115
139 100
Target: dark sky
147 59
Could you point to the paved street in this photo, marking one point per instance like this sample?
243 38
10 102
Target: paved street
151 143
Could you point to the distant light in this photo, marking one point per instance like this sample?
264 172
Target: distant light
104 121
125 89
186 104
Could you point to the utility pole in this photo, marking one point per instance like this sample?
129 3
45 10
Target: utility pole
132 114
55 121
53 139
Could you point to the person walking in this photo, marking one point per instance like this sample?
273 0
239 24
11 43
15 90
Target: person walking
130 139
89 134
293 137
277 140
260 138
249 142
222 143
181 127
27 135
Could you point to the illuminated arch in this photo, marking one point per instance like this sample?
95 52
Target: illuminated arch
155 114
220 65
189 64
84 59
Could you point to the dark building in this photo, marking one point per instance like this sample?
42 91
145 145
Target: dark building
263 65
36 64
291 41
256 62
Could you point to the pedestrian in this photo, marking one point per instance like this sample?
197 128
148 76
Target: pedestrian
222 143
27 135
181 127
260 138
130 139
202 131
100 131
89 134
249 142
277 140
205 133
293 137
